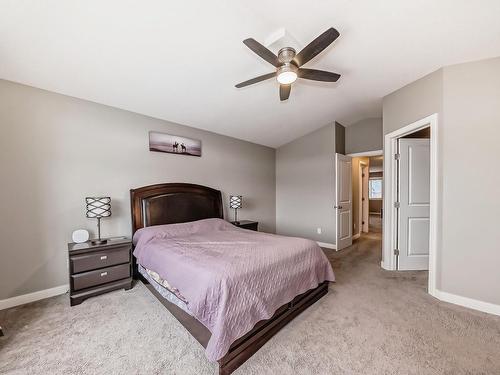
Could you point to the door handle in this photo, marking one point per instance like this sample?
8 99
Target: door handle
339 207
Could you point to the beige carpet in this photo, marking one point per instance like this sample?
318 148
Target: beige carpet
371 322
375 224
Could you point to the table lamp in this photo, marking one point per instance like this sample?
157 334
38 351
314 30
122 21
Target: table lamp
235 201
98 207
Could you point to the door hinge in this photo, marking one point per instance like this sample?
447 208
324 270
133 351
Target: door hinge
396 252
397 156
396 204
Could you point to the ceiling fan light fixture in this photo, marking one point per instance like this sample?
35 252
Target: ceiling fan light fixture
287 74
287 78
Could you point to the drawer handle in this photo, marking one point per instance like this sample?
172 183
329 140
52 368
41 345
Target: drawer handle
104 274
104 257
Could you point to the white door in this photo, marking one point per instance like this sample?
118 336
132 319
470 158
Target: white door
414 204
343 205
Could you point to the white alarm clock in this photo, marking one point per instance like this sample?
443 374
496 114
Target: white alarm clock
80 235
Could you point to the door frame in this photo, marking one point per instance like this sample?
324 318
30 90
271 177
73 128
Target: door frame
363 215
359 199
366 153
356 155
390 195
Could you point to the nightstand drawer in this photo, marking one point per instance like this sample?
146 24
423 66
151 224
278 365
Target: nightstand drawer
101 276
92 261
252 226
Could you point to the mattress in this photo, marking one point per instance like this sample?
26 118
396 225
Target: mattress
164 292
164 283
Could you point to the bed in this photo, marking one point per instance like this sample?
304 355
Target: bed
176 223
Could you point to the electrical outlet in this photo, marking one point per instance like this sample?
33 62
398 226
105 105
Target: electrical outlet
318 230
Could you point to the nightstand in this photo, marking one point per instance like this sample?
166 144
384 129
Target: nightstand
97 269
247 224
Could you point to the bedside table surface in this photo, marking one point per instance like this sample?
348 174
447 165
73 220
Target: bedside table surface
114 241
244 222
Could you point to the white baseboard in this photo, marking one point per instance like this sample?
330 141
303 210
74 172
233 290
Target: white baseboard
327 245
475 304
383 265
32 297
356 236
470 303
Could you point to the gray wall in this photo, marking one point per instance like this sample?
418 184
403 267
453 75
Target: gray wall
364 135
467 98
339 138
305 186
470 260
55 150
413 102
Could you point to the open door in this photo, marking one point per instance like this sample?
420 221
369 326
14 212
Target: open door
343 205
414 204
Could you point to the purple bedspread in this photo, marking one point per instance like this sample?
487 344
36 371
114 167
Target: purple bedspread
231 277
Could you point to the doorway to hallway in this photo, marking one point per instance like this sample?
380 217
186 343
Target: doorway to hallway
367 193
411 199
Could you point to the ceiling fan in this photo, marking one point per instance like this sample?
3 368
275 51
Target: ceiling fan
288 63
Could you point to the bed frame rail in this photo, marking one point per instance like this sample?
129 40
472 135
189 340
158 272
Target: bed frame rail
245 347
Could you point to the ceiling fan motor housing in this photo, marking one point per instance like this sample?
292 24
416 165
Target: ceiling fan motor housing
286 54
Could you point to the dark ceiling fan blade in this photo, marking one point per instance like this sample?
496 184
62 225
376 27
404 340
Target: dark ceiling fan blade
285 91
256 79
318 75
316 46
262 51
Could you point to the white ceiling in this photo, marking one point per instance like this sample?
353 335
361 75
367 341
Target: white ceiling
179 60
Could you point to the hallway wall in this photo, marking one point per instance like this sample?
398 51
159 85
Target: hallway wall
364 135
305 188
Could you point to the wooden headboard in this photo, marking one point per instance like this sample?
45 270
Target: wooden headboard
173 203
